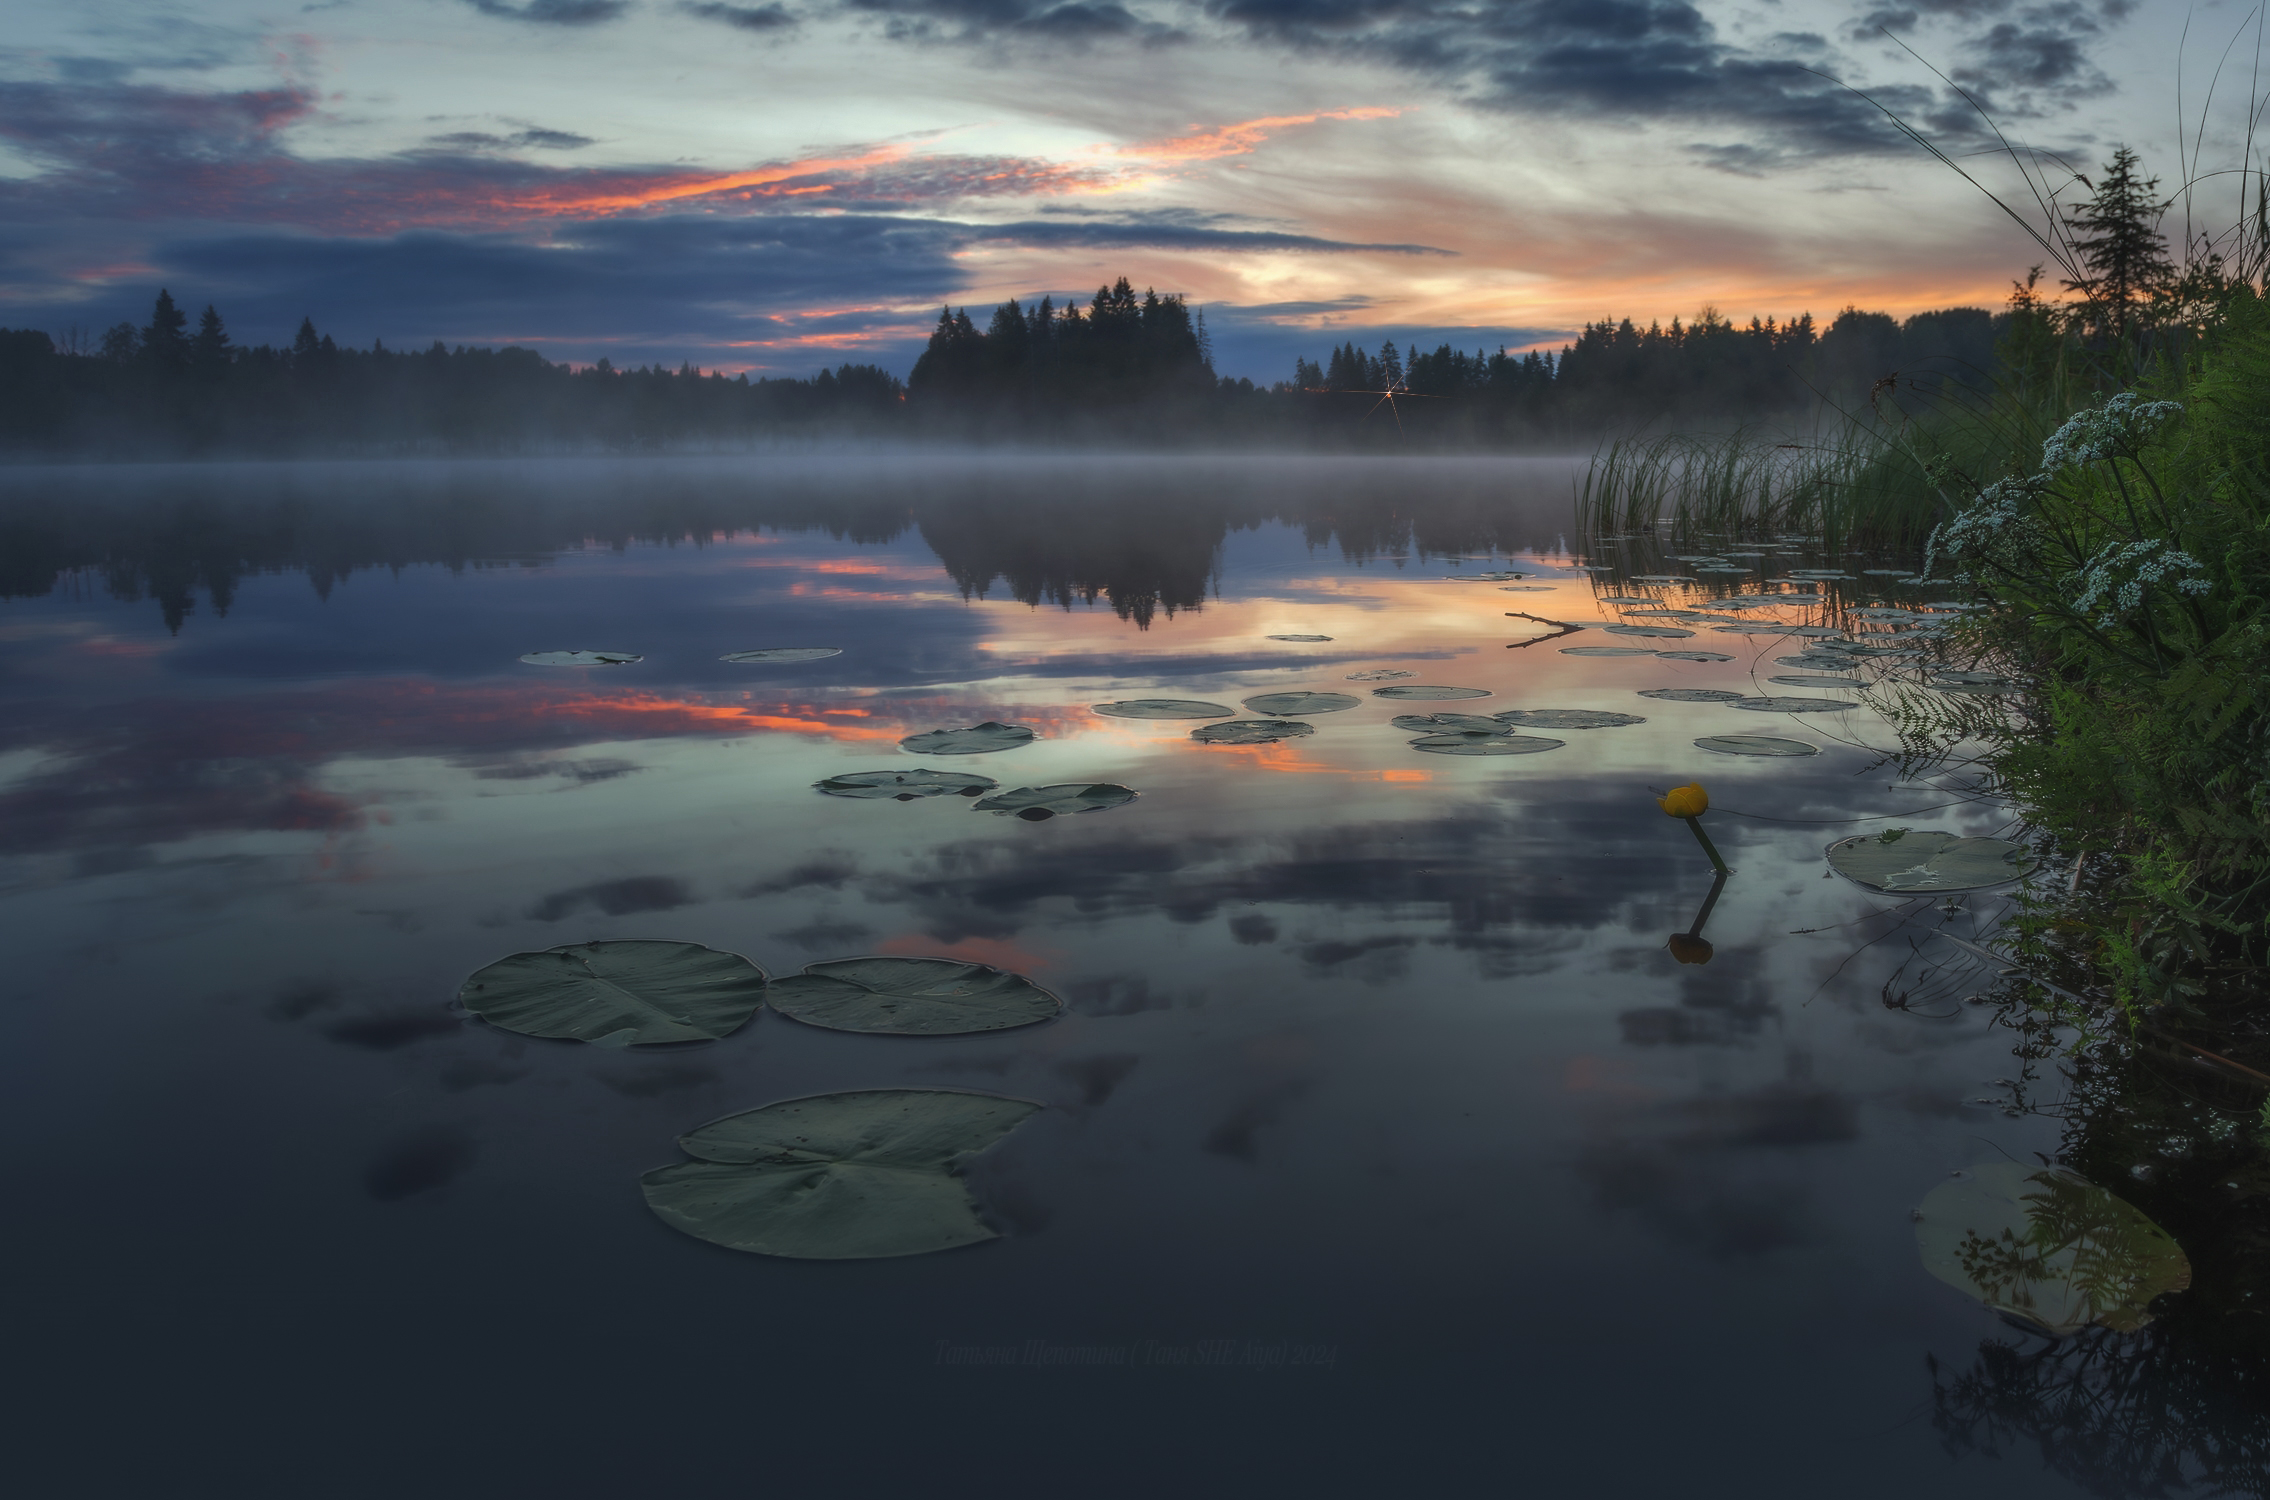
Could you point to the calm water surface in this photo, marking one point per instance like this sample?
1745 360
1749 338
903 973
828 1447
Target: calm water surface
1389 1150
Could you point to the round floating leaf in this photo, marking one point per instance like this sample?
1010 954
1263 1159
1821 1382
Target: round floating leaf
1036 804
1815 659
1759 627
1485 744
1885 614
1653 610
911 996
1801 679
1278 705
1162 708
1422 691
1661 632
978 739
618 994
1823 632
1659 578
1754 744
1900 573
1946 675
1747 601
1251 731
1792 705
1565 718
1300 637
1447 723
905 786
1694 656
1380 674
1621 599
581 658
1610 650
1902 859
1844 648
784 653
1526 588
852 1176
1692 695
1489 577
2047 1247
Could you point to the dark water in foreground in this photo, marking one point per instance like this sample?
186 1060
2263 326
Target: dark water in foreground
1389 1150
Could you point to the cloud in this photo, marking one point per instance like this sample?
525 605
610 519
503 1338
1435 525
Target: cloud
775 17
481 140
552 12
987 20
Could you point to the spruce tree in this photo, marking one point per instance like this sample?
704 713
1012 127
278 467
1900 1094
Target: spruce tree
162 342
209 350
2116 234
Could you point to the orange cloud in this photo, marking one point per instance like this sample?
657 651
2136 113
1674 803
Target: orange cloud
1240 139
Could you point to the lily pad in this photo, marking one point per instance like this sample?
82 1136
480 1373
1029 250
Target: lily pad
1423 691
2047 1248
1485 744
1251 731
1692 695
784 653
1755 627
978 739
1754 744
1622 599
1950 675
1800 679
1278 705
1822 632
581 658
905 786
618 994
1659 578
1815 659
1300 638
911 997
1447 723
1565 718
1659 632
1380 674
1162 708
1608 650
1526 588
1694 656
1902 859
1037 804
1792 705
1488 577
851 1176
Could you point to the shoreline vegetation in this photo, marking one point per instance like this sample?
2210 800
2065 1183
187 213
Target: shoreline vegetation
1129 371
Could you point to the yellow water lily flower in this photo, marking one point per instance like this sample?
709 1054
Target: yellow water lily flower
1689 801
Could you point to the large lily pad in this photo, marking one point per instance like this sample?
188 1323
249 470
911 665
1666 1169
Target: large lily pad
784 653
2046 1247
1692 695
1801 679
1606 651
1380 674
851 1176
1251 731
1661 632
1816 659
905 786
1303 638
1565 718
1754 744
1792 705
1471 743
1489 577
1526 588
911 997
1425 692
1905 859
1694 656
618 994
1037 804
1162 708
1280 705
581 658
978 739
1448 723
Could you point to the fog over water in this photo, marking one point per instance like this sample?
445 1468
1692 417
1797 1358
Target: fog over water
1388 1148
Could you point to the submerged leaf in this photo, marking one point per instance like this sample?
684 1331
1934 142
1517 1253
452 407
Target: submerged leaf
1471 743
581 658
905 786
1754 744
911 997
1162 708
1038 803
1692 695
2047 1248
1279 705
1419 691
1565 718
1901 859
850 1176
978 739
1251 731
618 994
784 653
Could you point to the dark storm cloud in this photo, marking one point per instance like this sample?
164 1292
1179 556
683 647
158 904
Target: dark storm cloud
482 140
744 17
552 12
977 20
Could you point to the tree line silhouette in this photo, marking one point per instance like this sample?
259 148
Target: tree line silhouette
1128 368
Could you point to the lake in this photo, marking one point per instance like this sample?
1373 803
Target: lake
1389 1145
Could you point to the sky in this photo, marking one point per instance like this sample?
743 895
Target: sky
777 187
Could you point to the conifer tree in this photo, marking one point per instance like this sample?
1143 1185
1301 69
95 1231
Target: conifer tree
162 342
2116 234
210 350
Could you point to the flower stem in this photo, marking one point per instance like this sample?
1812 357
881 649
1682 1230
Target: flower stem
1709 848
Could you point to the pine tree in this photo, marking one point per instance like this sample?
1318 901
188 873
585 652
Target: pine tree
162 342
2116 234
209 350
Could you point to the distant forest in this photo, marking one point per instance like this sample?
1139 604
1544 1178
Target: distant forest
1128 370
